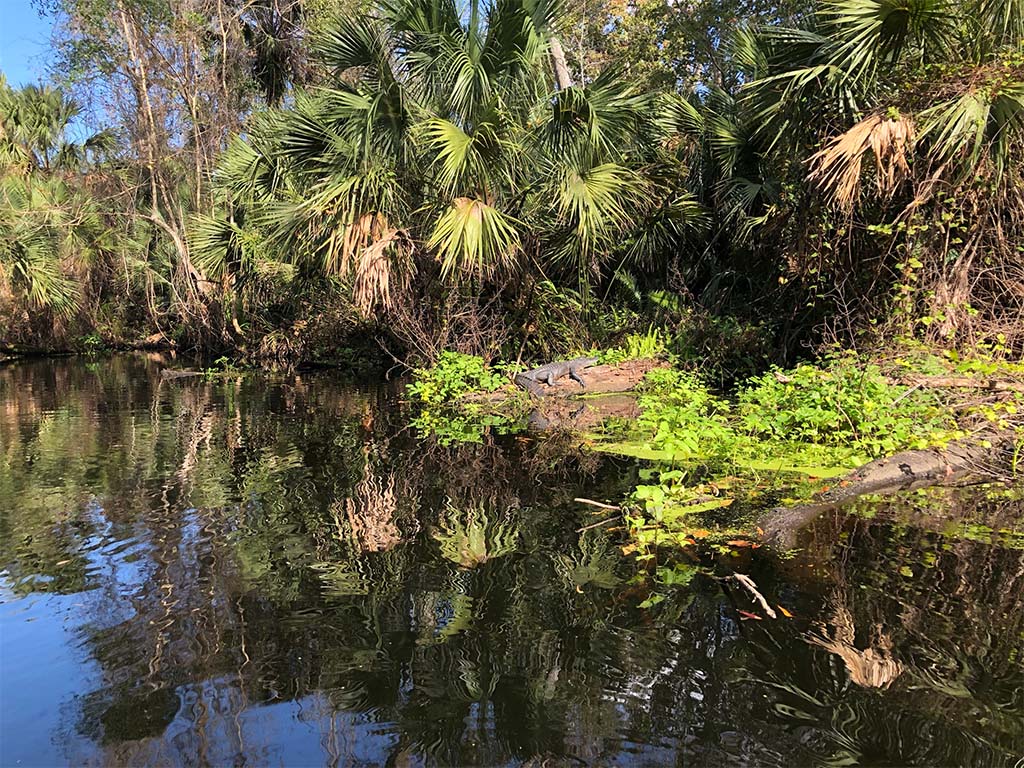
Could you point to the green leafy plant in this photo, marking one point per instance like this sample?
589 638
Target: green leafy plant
651 344
470 536
447 409
846 403
453 376
681 416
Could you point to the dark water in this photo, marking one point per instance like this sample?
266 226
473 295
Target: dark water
273 571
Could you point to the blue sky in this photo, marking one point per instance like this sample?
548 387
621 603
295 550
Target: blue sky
24 41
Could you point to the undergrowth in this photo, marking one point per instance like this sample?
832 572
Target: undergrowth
783 437
447 408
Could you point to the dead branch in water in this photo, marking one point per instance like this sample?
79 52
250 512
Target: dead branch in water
597 525
751 587
600 504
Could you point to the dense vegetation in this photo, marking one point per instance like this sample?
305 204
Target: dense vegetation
516 178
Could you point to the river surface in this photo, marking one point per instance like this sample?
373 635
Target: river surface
274 570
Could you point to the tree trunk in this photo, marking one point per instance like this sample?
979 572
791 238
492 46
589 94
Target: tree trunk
563 79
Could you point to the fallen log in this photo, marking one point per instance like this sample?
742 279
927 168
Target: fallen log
601 380
984 456
958 382
170 374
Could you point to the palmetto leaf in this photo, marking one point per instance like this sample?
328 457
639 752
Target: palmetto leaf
869 33
472 237
966 128
455 156
601 119
837 167
676 115
215 244
356 42
1004 19
598 200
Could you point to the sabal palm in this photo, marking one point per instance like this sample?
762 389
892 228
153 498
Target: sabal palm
954 68
47 225
443 136
923 98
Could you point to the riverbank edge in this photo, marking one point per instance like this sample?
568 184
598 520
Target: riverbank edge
982 438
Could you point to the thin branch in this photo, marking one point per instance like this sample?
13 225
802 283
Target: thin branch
751 587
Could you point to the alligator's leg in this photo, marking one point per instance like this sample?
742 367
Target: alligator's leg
549 378
575 376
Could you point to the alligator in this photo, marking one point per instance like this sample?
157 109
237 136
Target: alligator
550 373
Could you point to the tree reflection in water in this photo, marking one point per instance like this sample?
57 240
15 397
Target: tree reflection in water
253 570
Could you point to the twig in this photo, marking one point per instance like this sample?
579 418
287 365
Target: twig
915 387
748 582
959 382
595 525
600 504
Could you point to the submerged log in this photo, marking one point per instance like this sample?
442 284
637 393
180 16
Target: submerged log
986 456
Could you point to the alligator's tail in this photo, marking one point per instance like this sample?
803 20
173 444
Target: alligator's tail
529 385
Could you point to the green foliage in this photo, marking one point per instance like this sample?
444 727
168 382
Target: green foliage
637 346
446 150
453 376
786 433
92 343
470 537
846 403
785 168
48 226
681 416
447 410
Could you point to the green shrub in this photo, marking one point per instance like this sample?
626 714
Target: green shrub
637 346
453 376
845 403
444 411
679 415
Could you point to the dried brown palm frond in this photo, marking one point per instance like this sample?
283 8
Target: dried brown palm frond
347 240
377 256
379 266
836 169
873 667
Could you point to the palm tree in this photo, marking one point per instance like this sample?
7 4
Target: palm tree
449 137
47 225
923 100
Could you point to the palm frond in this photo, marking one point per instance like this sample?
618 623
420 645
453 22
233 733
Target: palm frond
837 169
471 237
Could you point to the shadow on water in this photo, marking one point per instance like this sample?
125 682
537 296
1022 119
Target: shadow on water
252 570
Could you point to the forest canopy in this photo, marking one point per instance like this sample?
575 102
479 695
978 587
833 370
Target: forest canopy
275 179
